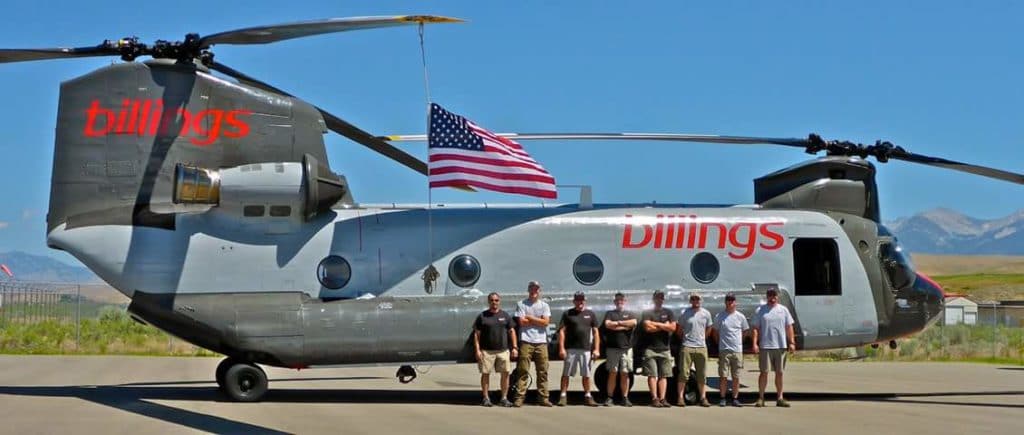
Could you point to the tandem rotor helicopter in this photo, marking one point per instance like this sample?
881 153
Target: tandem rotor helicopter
211 204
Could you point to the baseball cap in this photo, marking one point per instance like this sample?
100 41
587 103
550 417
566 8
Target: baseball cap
579 296
659 294
772 292
694 296
730 297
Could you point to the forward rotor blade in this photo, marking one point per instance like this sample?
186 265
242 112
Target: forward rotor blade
30 54
281 32
335 124
882 151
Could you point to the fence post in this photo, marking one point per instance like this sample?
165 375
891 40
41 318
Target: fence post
78 315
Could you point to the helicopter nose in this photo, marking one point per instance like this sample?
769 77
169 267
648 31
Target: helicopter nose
933 295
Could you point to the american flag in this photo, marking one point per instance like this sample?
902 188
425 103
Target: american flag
464 154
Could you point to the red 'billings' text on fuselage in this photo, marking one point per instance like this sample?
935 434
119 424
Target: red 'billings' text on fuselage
148 118
740 238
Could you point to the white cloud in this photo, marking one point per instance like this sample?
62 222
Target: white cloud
4 224
27 214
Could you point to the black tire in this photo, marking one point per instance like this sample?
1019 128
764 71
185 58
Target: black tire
222 369
244 382
692 395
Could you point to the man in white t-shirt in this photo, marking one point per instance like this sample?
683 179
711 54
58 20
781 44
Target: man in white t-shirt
533 316
694 324
773 336
729 327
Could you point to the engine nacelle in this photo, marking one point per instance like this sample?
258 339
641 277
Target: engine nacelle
250 190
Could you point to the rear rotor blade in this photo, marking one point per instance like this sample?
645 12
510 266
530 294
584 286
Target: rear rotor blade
280 32
335 124
939 162
30 54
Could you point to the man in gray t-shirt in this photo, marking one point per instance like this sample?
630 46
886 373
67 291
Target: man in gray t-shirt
773 336
694 325
729 327
533 316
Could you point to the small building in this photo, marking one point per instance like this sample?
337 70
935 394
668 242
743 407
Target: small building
960 310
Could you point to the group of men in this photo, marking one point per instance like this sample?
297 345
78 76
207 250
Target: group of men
579 342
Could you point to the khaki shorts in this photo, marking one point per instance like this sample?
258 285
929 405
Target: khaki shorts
696 357
494 361
777 358
620 360
657 364
729 362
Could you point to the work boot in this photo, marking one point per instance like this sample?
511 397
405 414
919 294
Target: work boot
589 401
518 403
759 403
562 401
546 403
655 403
704 402
782 403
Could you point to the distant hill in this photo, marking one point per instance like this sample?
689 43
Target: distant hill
945 231
28 267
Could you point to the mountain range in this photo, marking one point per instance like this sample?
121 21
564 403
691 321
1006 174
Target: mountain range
945 231
937 231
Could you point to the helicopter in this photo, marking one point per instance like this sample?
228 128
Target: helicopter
211 204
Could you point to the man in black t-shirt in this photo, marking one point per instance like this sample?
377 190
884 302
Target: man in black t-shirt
493 333
659 325
578 344
618 343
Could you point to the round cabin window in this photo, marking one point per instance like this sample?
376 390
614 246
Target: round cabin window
464 270
588 269
334 272
704 267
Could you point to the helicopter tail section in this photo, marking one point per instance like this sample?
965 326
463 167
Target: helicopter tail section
121 131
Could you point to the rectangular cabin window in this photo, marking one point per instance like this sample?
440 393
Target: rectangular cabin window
280 211
816 263
253 210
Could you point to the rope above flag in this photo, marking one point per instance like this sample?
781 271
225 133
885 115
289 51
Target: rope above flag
462 154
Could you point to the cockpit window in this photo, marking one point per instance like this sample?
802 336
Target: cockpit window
898 269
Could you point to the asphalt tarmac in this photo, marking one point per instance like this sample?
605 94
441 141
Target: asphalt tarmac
101 394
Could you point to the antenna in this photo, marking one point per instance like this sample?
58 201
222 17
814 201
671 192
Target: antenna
586 194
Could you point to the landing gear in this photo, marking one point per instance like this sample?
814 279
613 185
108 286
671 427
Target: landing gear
893 345
406 374
692 395
601 380
241 381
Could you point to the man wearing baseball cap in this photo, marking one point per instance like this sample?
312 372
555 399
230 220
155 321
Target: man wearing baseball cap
773 336
659 325
578 344
729 327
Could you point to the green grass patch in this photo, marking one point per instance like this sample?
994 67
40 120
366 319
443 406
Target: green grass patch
960 343
985 286
110 332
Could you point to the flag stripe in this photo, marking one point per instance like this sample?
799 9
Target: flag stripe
488 167
438 155
486 179
550 194
492 174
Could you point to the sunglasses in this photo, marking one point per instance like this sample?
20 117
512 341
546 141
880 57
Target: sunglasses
495 300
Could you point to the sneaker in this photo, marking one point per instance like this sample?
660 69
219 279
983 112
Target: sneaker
626 402
505 403
608 402
589 401
759 403
722 403
655 403
664 404
487 403
736 403
681 403
782 403
704 402
562 401
546 403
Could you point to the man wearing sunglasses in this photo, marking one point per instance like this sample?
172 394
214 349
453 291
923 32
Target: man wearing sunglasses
493 335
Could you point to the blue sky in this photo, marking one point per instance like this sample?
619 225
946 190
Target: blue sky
939 78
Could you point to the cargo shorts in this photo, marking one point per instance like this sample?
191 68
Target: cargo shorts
620 360
729 363
697 357
777 357
494 361
658 364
